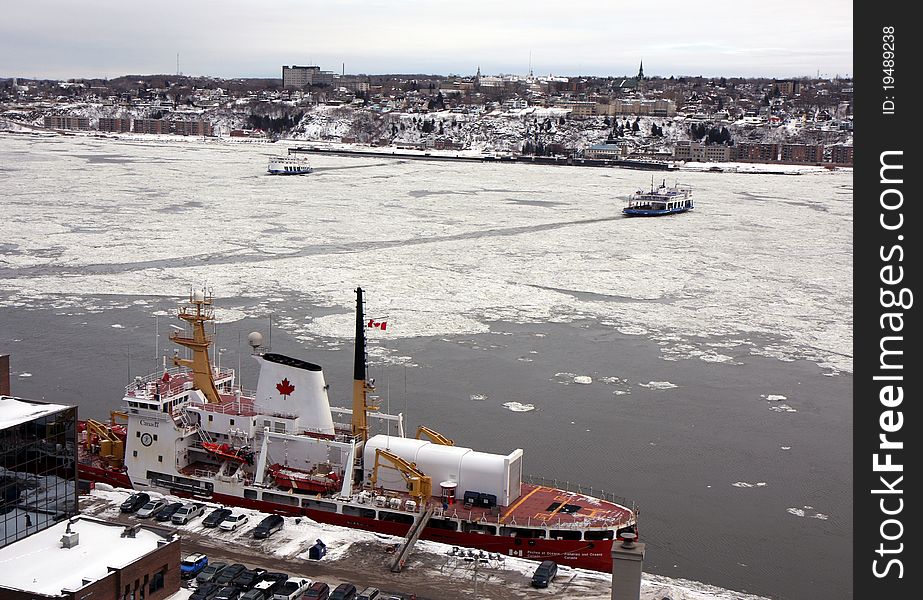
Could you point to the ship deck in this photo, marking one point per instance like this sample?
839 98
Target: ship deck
543 506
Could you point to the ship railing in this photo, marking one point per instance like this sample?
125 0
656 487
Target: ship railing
146 386
581 489
600 522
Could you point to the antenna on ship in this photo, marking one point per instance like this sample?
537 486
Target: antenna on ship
361 384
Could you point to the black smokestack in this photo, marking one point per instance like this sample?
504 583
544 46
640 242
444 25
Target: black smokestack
359 360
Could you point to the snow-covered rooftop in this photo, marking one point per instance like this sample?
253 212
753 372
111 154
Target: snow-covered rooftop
40 564
14 411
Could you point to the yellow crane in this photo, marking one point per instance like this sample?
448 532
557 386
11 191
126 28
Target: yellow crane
420 486
434 435
111 446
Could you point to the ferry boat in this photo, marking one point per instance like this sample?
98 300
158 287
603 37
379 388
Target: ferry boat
662 201
288 165
193 432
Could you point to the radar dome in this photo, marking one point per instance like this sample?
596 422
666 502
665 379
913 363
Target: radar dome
198 296
255 339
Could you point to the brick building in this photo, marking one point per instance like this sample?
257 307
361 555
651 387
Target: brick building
192 128
299 77
841 155
85 557
150 126
802 153
67 122
114 125
756 152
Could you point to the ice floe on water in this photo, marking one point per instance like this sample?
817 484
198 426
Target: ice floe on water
518 406
808 512
117 326
501 262
658 385
776 404
744 484
25 374
478 397
583 379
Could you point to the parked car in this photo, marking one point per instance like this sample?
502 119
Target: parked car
229 573
233 521
268 526
228 592
166 513
187 512
544 573
205 591
255 594
150 508
292 589
208 574
134 502
215 517
344 591
369 593
247 578
269 582
317 591
192 565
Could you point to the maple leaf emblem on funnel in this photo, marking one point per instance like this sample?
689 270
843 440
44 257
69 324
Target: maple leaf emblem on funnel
285 388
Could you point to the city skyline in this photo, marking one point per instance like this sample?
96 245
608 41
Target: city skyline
247 39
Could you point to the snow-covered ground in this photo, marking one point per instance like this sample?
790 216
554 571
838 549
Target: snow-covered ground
294 540
763 263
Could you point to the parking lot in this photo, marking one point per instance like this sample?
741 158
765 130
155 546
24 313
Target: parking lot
430 574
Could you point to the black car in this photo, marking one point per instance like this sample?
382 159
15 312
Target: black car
134 502
216 516
229 592
209 573
247 578
544 574
344 591
229 573
255 594
268 526
166 513
205 591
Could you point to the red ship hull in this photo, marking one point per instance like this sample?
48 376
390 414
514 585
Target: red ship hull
595 555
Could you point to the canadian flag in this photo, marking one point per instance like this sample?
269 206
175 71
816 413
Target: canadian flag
383 325
166 376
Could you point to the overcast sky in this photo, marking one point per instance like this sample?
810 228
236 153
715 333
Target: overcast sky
235 38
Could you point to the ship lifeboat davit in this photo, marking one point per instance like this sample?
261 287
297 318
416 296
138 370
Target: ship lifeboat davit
226 451
288 478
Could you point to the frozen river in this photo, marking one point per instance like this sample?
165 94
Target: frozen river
717 344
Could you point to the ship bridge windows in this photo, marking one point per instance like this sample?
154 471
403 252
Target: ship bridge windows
598 534
567 509
565 534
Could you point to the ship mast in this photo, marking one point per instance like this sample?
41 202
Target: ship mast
196 314
361 385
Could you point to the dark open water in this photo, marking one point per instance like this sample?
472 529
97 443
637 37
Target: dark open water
677 452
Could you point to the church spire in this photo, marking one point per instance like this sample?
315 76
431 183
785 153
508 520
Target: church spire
641 71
